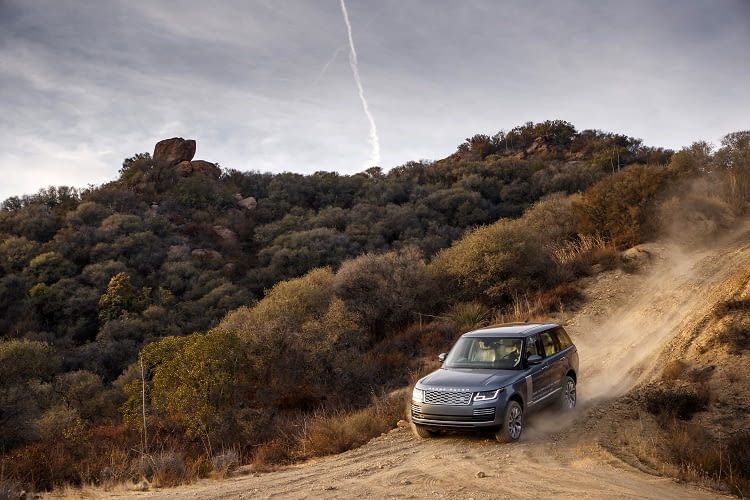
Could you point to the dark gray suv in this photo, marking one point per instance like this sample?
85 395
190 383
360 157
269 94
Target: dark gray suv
494 376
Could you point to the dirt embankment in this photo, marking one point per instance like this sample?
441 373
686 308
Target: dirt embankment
621 332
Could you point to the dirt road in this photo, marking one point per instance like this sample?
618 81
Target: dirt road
620 331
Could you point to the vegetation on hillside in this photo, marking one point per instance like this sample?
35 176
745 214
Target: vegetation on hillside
245 323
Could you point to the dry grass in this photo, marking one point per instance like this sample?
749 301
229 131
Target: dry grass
702 458
576 257
10 490
329 432
226 462
469 315
539 306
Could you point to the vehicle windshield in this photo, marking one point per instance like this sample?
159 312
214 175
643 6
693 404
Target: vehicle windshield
485 352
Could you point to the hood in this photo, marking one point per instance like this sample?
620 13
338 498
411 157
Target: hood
468 379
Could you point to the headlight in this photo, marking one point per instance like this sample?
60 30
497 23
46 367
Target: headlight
487 395
417 395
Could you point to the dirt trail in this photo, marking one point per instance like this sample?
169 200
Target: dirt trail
627 320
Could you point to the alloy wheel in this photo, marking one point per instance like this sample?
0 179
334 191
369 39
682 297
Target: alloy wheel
570 394
515 422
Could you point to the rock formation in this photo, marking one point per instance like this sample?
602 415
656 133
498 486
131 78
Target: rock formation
249 203
179 152
175 150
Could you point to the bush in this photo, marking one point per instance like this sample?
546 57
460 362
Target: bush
699 455
168 469
675 401
401 281
329 432
225 462
694 217
10 490
622 207
468 315
59 422
496 261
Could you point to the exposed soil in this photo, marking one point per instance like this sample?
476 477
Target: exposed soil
621 333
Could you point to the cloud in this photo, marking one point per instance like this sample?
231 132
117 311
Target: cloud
87 85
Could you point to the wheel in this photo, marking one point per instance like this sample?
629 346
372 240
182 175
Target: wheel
567 399
422 432
512 424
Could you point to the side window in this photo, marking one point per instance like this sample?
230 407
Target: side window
563 339
531 346
548 343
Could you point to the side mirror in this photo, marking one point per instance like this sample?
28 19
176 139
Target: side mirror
441 357
534 359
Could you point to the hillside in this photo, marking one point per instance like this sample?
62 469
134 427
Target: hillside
628 326
184 319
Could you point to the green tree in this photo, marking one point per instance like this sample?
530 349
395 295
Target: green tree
120 298
23 365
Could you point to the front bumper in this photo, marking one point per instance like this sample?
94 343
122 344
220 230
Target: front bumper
479 415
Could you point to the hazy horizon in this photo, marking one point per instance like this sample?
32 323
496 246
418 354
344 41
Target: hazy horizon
268 86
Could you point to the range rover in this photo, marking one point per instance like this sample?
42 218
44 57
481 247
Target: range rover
495 376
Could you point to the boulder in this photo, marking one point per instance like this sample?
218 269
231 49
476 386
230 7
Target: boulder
175 150
206 254
224 232
248 203
184 168
205 168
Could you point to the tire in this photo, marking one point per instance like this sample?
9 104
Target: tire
422 432
512 423
568 394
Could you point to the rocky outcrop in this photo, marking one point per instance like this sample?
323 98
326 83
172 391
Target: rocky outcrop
248 203
225 233
201 167
175 150
178 153
205 168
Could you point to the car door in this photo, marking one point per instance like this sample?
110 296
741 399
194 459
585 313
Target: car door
560 362
552 363
537 380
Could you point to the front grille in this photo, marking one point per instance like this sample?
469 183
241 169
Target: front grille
447 398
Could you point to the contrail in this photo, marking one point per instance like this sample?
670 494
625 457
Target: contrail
329 62
374 140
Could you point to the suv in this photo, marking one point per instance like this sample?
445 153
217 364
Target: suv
493 376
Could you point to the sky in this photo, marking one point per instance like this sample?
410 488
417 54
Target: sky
267 85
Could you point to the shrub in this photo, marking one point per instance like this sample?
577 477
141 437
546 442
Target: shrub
10 490
225 462
675 401
168 469
195 381
553 218
468 315
59 422
270 454
496 261
699 455
694 217
622 207
386 289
